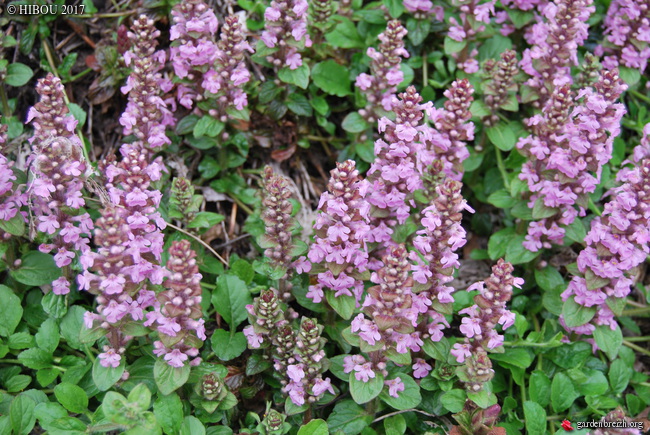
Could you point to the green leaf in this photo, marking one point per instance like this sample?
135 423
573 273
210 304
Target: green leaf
452 46
230 299
36 269
168 378
78 113
18 74
55 305
630 76
71 326
46 412
540 211
418 30
549 278
10 311
563 393
395 425
576 232
21 414
314 427
227 346
363 392
540 388
140 397
299 104
72 397
169 412
493 47
46 376
47 337
515 356
208 126
206 219
535 418
20 340
354 123
298 76
348 418
502 136
520 18
187 124
115 407
516 253
499 242
409 398
256 363
35 358
609 341
106 377
332 78
589 382
619 376
192 426
14 226
502 199
395 7
438 350
576 314
454 400
345 35
343 305
17 383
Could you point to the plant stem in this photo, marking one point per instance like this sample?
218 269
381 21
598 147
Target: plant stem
593 207
643 338
502 168
6 112
640 96
636 347
636 311
391 414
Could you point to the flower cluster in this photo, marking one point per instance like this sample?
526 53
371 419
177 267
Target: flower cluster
435 258
320 13
178 317
183 203
389 305
279 223
12 196
555 45
286 31
566 155
112 275
385 74
473 17
452 128
627 26
146 115
501 87
59 170
339 253
298 356
395 173
481 318
525 5
617 243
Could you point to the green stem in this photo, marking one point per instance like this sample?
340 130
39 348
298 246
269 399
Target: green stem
637 348
529 344
9 361
640 96
594 208
633 339
242 205
636 311
6 112
502 168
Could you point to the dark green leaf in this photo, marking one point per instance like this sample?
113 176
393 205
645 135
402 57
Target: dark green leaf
299 104
540 211
452 46
227 346
343 305
549 278
72 397
71 326
55 305
168 378
454 400
502 199
35 358
208 126
298 76
395 7
169 412
78 113
36 269
576 314
230 299
418 30
354 123
18 74
516 253
348 418
535 418
499 242
609 341
14 226
21 414
47 337
206 219
515 356
331 78
187 124
363 392
140 397
619 376
345 35
407 399
563 393
106 377
10 311
540 388
502 136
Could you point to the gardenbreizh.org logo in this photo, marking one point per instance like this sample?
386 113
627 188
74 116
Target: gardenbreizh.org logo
568 426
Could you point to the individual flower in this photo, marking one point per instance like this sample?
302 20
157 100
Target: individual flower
481 319
285 30
568 148
380 85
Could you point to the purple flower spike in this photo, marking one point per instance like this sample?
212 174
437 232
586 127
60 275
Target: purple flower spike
627 26
286 30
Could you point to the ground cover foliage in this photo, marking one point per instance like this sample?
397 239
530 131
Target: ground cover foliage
296 217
